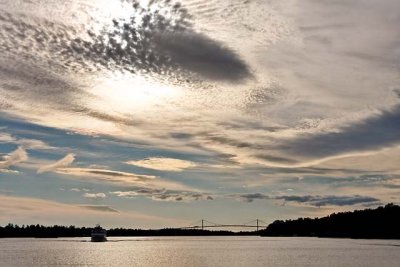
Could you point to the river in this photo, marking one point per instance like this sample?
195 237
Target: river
200 251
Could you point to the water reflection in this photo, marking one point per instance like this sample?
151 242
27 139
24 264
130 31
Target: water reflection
201 251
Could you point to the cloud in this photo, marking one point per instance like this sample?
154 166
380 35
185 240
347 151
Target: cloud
75 190
94 195
6 138
359 181
23 142
13 158
138 192
374 133
310 200
100 208
106 175
164 195
62 167
319 201
110 176
201 55
181 196
8 171
156 37
79 190
33 144
62 163
251 197
163 164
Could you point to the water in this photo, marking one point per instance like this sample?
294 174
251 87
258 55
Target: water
200 251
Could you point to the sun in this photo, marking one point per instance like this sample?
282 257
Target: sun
126 93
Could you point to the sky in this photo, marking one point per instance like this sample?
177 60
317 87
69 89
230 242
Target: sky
160 113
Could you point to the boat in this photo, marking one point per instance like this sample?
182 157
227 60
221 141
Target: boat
99 234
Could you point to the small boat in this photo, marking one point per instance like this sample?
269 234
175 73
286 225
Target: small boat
99 234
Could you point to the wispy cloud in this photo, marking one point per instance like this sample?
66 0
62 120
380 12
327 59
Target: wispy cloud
163 164
8 171
106 175
101 208
14 157
317 200
25 143
250 197
79 190
164 195
94 195
62 163
6 138
110 176
374 133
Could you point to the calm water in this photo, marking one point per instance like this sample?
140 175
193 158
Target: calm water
200 251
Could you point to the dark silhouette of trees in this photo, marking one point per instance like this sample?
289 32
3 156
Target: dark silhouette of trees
40 231
381 223
13 230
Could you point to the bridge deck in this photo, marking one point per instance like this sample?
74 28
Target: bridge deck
221 226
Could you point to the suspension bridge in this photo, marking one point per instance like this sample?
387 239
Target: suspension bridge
204 224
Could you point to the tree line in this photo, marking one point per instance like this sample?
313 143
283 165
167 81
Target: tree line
41 231
379 223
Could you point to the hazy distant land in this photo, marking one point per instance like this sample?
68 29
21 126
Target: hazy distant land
379 223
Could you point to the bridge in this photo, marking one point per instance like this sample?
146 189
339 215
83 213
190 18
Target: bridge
204 224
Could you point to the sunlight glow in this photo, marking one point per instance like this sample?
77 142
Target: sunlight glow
127 93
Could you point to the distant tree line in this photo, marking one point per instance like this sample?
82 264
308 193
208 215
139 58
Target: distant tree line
40 231
14 230
380 223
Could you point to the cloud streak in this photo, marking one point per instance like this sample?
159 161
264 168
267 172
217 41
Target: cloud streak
316 201
164 195
374 133
163 164
13 158
62 163
101 208
106 175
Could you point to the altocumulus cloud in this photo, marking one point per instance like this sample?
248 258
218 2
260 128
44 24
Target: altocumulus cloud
156 37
